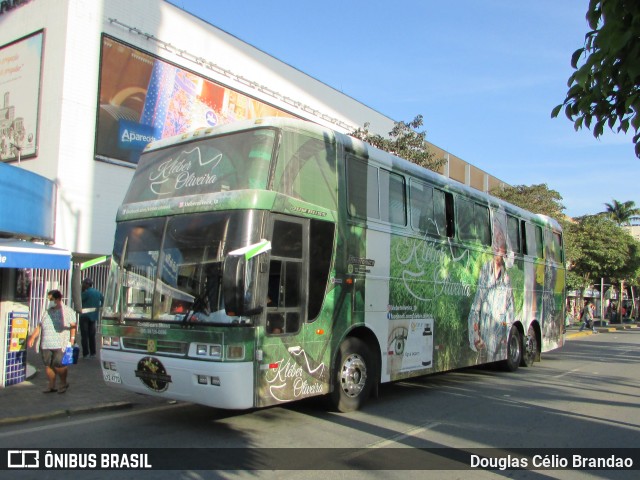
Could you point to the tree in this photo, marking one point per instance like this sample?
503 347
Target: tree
534 198
602 249
404 141
540 199
605 88
621 213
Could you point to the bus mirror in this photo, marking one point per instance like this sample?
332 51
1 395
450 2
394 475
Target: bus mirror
76 288
239 280
233 283
238 298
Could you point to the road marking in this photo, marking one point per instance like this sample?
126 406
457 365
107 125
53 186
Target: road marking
403 436
389 441
569 372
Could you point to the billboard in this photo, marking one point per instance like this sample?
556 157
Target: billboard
20 66
144 98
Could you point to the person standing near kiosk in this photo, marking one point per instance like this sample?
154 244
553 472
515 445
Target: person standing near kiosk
56 329
92 301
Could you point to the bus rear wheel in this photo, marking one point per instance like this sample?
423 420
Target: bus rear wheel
514 350
530 348
353 377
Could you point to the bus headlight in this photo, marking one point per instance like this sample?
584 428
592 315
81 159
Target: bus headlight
201 349
111 342
211 352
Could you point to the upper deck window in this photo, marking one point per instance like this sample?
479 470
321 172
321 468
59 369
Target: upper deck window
215 164
306 169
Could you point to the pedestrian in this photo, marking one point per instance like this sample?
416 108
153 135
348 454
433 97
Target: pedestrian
57 328
92 300
587 317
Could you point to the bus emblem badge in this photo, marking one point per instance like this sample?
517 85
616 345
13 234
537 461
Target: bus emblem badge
151 346
153 374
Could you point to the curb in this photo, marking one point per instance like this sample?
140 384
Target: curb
103 407
577 335
607 329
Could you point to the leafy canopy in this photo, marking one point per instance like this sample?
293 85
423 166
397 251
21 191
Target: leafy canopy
621 212
605 89
534 198
603 249
404 141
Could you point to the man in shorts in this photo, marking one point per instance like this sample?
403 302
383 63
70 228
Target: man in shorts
56 328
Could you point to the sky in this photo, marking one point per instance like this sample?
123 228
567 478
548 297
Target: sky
484 74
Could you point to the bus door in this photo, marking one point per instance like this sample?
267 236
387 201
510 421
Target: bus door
281 366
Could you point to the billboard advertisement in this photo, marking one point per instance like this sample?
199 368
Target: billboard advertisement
144 98
20 66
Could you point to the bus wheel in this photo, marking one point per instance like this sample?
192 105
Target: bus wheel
353 377
514 350
530 348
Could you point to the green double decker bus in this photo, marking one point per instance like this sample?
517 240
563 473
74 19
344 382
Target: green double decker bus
271 260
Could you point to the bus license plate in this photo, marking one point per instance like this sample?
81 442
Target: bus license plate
113 377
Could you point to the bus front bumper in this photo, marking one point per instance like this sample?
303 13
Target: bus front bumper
226 385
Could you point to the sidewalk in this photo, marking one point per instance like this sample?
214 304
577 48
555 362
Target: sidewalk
574 330
88 393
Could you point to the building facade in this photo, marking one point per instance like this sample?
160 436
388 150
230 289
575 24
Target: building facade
85 84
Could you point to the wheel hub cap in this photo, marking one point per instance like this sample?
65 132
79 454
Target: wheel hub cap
354 375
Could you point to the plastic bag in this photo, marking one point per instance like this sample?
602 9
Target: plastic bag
67 357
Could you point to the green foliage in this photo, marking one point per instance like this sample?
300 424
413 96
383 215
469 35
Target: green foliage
605 89
620 212
595 246
404 141
603 249
534 198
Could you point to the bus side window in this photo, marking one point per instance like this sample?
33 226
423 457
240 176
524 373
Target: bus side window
422 217
465 220
513 234
321 235
284 291
532 239
473 222
393 203
556 248
443 213
539 241
523 236
273 290
362 189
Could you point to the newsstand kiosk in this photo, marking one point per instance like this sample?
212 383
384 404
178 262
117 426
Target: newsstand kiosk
27 210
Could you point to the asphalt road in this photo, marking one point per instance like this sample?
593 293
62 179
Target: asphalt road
584 396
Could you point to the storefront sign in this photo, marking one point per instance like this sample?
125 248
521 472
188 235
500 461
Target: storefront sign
8 5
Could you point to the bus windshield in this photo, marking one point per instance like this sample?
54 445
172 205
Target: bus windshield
170 268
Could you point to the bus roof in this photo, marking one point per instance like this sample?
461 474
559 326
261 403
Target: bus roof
359 147
276 122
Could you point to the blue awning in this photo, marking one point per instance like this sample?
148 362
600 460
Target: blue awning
21 254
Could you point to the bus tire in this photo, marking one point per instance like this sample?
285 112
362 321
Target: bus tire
354 375
530 350
514 350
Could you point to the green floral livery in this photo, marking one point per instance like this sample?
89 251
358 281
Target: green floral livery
273 260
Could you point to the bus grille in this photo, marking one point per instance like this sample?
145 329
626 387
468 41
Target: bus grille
161 346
